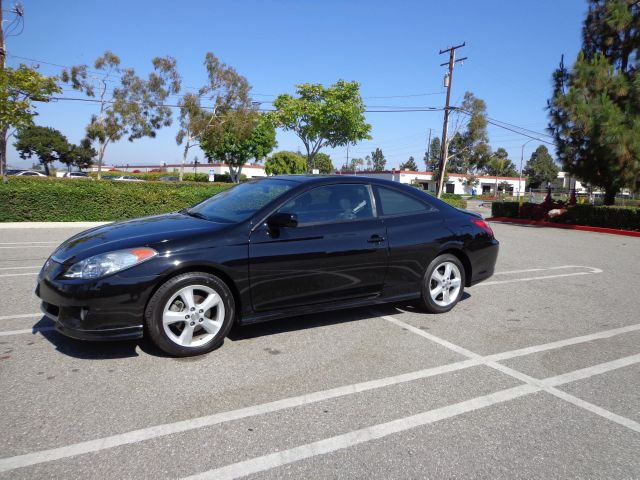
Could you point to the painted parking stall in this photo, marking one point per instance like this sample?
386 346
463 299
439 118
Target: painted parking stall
535 349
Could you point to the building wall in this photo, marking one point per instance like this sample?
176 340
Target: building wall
251 171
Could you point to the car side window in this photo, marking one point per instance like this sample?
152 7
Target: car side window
331 203
393 202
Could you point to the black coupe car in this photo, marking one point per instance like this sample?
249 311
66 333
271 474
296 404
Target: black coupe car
265 249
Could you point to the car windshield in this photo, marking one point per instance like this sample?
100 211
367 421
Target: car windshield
240 202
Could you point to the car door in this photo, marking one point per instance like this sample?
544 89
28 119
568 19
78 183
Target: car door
338 250
415 229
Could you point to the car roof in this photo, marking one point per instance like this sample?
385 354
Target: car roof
320 179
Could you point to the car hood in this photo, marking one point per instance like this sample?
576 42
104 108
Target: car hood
160 232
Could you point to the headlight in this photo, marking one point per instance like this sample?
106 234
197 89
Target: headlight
108 263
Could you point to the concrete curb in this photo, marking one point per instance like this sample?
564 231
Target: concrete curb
583 228
25 225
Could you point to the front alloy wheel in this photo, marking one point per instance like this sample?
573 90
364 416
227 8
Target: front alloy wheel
190 314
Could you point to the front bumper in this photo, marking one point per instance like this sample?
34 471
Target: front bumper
111 308
105 334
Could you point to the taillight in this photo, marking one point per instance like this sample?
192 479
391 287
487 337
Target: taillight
483 225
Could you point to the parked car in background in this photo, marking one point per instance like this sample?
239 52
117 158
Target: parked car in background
168 179
25 173
82 175
266 249
126 178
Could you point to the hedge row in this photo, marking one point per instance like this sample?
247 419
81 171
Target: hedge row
63 200
625 218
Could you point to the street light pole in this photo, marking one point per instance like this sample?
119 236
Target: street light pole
521 159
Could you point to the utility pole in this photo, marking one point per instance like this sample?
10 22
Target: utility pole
3 131
426 161
449 80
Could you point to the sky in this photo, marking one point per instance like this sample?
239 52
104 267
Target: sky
390 48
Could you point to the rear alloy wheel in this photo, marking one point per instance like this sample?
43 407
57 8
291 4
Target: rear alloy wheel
443 284
190 314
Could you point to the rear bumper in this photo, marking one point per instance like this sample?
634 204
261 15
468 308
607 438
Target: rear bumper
483 262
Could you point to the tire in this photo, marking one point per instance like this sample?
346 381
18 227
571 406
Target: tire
190 314
434 297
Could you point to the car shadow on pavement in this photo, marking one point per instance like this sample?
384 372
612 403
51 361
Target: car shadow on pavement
305 322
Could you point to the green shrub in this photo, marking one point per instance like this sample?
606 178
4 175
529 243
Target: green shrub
63 200
626 218
504 209
452 199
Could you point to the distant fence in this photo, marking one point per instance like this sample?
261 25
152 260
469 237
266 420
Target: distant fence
538 196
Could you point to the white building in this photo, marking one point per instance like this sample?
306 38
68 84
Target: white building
251 171
456 183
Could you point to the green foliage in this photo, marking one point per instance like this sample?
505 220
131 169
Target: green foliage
378 160
625 218
242 136
541 169
433 159
355 164
505 209
323 163
469 148
409 165
452 199
281 163
134 109
63 200
45 143
323 116
19 89
595 108
500 165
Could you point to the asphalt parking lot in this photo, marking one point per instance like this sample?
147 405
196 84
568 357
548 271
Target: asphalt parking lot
535 374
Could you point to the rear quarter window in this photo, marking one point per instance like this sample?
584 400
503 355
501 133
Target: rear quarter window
394 202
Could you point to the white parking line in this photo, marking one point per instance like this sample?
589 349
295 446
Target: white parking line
29 243
135 436
20 268
26 330
23 315
548 384
591 271
339 442
528 270
27 246
18 274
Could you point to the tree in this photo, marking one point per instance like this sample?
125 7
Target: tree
80 156
323 116
355 164
368 162
409 165
500 165
19 89
324 163
378 160
595 108
45 143
540 169
432 160
239 137
281 163
135 108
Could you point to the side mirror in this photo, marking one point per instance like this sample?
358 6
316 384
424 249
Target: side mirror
283 219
